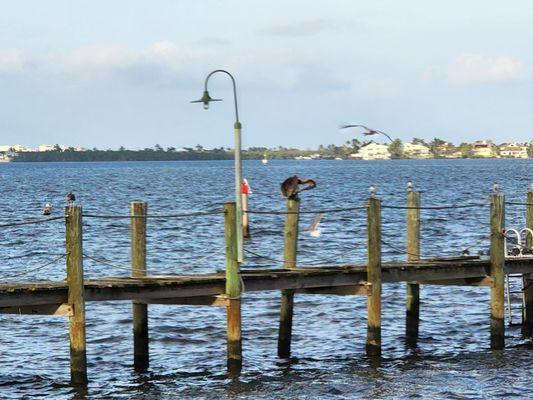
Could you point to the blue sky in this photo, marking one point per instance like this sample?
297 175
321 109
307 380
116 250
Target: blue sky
110 73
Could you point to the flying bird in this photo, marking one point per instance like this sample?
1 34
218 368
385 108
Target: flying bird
313 229
368 131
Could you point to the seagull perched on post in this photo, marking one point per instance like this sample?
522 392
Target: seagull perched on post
71 198
368 131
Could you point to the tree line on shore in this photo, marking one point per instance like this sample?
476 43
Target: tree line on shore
158 153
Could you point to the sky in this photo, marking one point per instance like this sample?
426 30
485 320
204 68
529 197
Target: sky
110 73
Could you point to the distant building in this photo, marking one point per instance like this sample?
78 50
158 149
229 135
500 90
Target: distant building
416 150
4 157
483 149
448 150
513 150
46 147
17 148
372 151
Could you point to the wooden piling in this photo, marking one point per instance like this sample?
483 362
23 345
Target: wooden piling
497 261
141 358
527 329
245 215
413 254
76 298
233 291
289 262
373 340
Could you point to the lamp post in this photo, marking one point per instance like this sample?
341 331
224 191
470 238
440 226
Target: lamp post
206 99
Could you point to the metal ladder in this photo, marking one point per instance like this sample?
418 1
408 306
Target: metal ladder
515 299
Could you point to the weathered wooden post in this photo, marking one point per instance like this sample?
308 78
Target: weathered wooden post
497 261
138 210
76 299
527 329
289 261
373 340
233 293
413 254
245 191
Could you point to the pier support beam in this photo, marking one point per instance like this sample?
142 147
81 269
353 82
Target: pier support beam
373 340
527 329
233 292
141 358
497 261
76 297
413 254
289 261
245 216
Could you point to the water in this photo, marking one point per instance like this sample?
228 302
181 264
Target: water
187 343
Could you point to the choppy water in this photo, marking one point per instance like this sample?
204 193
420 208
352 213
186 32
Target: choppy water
188 343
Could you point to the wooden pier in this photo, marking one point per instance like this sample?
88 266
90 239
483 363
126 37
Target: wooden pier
224 288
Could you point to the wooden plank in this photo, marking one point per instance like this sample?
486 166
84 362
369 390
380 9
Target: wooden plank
290 251
373 339
141 353
485 281
216 301
497 261
76 295
346 290
61 309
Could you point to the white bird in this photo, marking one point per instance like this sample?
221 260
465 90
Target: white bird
313 229
368 131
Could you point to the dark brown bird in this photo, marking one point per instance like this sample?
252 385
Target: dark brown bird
291 186
71 198
368 131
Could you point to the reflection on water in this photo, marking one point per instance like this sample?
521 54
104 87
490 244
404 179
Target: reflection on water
188 343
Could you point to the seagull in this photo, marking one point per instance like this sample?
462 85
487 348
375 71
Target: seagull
368 131
71 198
47 210
313 229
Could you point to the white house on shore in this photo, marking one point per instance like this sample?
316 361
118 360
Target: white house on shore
416 150
513 150
17 148
372 151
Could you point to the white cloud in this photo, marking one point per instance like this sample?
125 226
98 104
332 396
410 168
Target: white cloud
302 28
468 69
376 87
98 57
11 60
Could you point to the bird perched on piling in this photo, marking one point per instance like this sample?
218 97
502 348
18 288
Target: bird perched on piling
368 131
47 209
71 198
290 186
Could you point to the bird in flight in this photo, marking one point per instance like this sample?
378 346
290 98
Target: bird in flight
368 131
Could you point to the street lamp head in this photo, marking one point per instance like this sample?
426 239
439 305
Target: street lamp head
206 99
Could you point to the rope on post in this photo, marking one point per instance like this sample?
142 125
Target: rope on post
104 261
55 260
324 211
31 222
438 207
154 216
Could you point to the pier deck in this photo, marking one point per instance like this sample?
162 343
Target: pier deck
353 278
